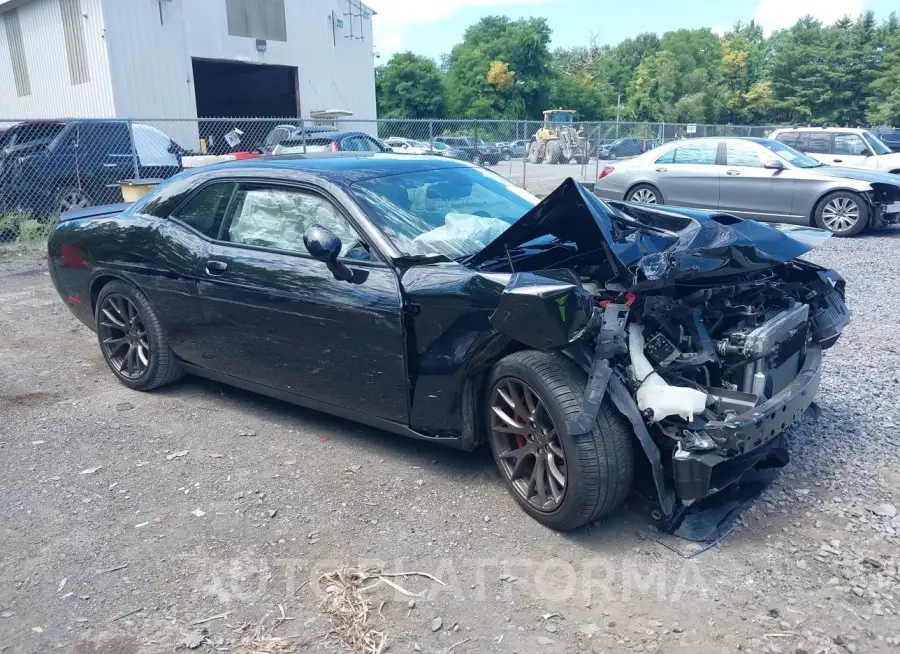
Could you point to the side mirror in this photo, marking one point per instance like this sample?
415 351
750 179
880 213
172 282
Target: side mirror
324 246
774 164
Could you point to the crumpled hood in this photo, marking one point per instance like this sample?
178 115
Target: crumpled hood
645 244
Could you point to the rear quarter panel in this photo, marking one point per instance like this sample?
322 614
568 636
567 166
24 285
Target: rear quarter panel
155 255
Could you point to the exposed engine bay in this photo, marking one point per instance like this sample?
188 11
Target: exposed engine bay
707 334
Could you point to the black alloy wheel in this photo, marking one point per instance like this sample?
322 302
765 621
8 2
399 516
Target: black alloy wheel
123 336
132 339
562 480
527 443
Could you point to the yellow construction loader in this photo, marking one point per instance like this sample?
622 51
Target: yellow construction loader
558 140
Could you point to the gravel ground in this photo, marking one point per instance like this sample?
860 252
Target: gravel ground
541 179
127 517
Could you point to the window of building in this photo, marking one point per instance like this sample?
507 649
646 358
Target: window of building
17 52
73 31
257 19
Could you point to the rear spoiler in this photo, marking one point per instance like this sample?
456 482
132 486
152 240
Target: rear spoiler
94 212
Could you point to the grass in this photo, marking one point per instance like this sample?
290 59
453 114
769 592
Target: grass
22 234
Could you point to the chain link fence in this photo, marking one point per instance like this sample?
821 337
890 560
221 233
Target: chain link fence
48 166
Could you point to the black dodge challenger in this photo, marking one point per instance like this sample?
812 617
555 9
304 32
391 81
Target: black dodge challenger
594 345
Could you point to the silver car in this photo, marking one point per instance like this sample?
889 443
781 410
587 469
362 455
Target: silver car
755 178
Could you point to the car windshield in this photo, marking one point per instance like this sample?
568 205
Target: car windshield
479 141
451 211
875 143
437 145
792 156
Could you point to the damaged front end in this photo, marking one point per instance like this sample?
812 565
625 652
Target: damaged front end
705 331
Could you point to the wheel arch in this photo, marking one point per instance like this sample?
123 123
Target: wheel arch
99 281
473 392
642 182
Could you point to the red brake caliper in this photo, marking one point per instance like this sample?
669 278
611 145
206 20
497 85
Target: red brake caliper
520 440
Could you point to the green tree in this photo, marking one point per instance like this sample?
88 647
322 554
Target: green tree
884 107
409 86
653 91
520 44
581 93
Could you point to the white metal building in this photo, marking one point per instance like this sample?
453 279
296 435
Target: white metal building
184 59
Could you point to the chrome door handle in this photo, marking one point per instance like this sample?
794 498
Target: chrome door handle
110 165
661 170
215 267
732 172
838 161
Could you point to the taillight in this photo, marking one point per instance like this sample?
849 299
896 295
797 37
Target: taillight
334 146
607 170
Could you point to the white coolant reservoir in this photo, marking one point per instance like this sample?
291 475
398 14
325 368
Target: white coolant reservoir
654 392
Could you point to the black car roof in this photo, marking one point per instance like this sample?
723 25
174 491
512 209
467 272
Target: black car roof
344 169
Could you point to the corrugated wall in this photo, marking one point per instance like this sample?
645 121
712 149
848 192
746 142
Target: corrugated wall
64 52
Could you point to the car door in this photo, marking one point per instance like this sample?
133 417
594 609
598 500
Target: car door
279 318
688 176
852 151
818 145
103 159
749 189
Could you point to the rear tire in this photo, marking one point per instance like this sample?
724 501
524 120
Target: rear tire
477 160
598 466
843 213
534 152
162 367
644 194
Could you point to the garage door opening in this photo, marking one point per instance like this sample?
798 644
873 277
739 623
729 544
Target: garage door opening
237 90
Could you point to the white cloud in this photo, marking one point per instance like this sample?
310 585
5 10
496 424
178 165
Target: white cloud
394 17
777 14
719 30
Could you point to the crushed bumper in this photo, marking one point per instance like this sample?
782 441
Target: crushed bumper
746 440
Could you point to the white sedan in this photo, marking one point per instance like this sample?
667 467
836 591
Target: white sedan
407 146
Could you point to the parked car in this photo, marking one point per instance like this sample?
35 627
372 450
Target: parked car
48 167
839 146
331 142
474 149
892 140
624 350
513 149
756 178
283 132
625 147
444 150
407 146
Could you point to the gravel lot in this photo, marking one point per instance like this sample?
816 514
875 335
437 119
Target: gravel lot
540 179
126 517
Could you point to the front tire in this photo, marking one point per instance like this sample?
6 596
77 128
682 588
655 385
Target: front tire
842 213
554 153
477 160
563 481
131 339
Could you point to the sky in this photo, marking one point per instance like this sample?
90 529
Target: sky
433 27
